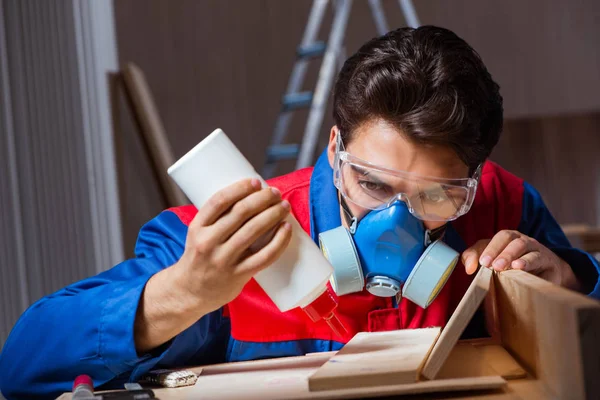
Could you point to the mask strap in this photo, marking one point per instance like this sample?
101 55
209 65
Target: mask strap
435 234
351 220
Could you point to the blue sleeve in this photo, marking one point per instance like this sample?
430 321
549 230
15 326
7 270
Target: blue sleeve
87 327
538 222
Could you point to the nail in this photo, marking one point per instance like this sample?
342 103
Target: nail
518 264
499 264
275 191
287 226
471 260
468 262
485 261
255 183
285 204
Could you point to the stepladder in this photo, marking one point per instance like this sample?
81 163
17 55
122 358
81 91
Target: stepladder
332 53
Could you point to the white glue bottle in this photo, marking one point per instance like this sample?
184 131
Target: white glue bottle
299 277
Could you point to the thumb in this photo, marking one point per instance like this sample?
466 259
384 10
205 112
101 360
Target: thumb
470 257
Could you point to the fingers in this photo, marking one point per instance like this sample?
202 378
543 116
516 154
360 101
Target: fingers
517 248
529 262
498 243
268 254
259 225
470 257
223 200
499 253
244 210
513 250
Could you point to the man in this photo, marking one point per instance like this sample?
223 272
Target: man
413 108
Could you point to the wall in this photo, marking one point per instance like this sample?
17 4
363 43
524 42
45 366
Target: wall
59 218
559 155
542 52
225 63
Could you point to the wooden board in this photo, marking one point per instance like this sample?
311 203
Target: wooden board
553 331
492 319
312 360
471 360
465 360
501 362
458 322
292 384
517 318
377 358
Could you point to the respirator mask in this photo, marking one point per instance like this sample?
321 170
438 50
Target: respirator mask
389 251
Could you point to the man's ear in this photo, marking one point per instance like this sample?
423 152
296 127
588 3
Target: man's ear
332 145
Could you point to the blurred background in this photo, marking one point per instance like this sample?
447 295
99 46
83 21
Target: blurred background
225 64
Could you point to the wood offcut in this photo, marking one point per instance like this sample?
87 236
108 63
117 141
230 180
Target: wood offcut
458 322
376 359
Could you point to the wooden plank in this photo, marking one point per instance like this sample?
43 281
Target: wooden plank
562 334
553 329
321 354
465 361
292 384
468 360
559 358
517 319
501 362
315 360
152 132
458 322
528 389
492 319
378 358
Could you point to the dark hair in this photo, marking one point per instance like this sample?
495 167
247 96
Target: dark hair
428 83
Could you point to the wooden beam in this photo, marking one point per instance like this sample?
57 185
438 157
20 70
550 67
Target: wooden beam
376 359
152 132
458 322
115 84
554 331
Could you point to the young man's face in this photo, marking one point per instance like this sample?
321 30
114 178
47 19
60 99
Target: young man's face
382 144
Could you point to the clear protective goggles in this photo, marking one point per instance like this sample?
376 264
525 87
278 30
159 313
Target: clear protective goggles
427 198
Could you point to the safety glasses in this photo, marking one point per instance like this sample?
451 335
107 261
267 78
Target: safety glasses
374 187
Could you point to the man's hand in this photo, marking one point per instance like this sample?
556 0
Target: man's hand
237 233
220 252
514 250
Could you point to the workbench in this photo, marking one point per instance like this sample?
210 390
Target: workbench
545 344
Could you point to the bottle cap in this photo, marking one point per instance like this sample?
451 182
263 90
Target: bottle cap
83 380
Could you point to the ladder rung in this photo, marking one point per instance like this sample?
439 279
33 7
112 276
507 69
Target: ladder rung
316 49
282 152
293 101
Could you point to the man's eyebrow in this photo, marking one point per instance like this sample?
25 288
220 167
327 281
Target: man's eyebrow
366 172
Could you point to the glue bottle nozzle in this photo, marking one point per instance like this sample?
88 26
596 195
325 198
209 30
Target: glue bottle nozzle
323 308
336 325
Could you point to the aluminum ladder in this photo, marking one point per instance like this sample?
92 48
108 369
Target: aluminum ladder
333 54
